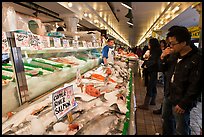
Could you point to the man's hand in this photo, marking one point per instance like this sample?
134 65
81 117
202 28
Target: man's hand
179 110
166 52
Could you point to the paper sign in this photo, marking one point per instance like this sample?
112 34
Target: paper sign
84 44
63 101
65 43
35 42
75 43
45 41
78 77
57 42
5 46
22 40
89 44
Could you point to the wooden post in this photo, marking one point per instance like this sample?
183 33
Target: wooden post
69 117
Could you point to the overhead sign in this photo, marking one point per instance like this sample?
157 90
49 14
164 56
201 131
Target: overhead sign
195 32
63 101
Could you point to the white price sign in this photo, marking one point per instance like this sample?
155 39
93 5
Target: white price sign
65 43
5 46
22 40
63 101
84 44
57 42
78 77
35 42
45 41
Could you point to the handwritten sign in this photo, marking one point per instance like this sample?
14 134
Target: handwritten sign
84 44
65 43
57 42
5 46
35 42
78 77
22 40
89 44
45 41
63 101
75 43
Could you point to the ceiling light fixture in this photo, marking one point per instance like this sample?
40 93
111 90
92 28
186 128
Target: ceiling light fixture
85 15
129 14
95 21
90 16
127 5
130 22
70 4
168 16
175 9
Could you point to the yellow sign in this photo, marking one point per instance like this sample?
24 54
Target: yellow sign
195 32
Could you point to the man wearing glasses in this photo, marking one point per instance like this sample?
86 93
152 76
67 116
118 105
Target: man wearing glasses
182 63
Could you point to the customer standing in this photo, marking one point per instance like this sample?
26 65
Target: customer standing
183 68
152 67
162 77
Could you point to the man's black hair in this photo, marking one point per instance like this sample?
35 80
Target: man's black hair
110 39
181 34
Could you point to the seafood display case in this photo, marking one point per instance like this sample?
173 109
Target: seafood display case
104 108
44 70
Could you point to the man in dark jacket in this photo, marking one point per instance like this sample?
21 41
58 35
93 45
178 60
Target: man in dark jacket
182 64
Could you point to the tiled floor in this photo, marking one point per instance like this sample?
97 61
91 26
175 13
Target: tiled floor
150 124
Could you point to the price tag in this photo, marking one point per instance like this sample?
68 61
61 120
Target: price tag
63 101
57 42
5 46
65 43
22 40
45 41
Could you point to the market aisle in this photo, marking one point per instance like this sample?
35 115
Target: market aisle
147 123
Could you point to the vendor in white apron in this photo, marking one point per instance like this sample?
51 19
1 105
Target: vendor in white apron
108 53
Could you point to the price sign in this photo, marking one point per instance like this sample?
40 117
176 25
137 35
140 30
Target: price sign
84 44
5 46
22 40
65 43
78 77
35 42
57 42
63 101
45 41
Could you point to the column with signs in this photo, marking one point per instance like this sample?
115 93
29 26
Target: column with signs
17 41
63 101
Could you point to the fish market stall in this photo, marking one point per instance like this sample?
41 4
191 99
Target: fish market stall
105 106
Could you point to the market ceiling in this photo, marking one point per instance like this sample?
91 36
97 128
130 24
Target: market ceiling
113 16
